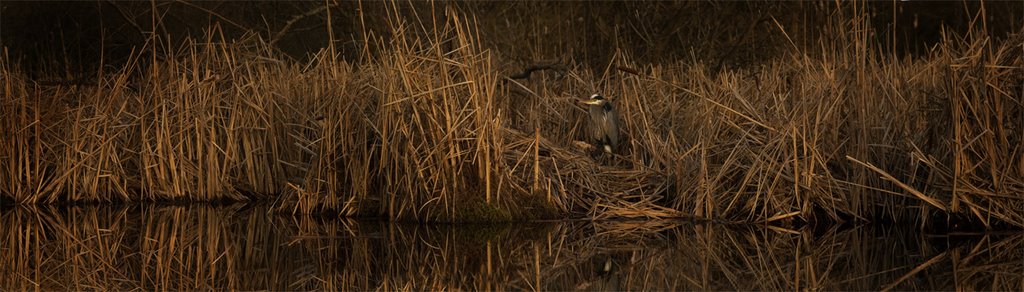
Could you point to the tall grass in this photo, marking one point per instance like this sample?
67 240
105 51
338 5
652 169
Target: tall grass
426 125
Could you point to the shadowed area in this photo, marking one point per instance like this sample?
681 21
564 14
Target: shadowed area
247 248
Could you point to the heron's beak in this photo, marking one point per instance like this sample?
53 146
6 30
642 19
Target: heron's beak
593 102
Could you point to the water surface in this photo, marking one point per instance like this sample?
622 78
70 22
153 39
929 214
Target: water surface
248 248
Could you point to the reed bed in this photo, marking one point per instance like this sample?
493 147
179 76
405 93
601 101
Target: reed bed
241 247
428 125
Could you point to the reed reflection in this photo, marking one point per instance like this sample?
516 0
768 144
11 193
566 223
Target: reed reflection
247 248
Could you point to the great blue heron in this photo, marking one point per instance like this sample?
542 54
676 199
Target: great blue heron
604 124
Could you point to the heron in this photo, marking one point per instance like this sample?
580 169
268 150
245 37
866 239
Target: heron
604 123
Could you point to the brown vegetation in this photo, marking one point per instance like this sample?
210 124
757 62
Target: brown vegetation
425 126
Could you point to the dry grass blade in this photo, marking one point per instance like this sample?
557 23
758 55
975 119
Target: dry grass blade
931 201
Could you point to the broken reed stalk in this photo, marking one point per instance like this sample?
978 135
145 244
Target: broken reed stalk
423 127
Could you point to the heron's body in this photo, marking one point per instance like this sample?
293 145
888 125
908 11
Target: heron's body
604 123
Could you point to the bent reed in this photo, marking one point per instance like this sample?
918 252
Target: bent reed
426 126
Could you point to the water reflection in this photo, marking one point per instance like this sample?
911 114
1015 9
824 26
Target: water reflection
246 248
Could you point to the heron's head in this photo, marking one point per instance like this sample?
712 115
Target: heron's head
596 99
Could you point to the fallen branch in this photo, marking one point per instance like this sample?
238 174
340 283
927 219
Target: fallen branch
553 64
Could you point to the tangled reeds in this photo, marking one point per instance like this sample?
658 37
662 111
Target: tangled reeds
427 126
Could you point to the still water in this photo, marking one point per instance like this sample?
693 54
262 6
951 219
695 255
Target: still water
249 248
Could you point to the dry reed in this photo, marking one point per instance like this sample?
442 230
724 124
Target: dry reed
424 126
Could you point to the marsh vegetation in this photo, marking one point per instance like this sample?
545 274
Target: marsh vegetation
779 113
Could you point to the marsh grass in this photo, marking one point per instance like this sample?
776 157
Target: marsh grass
425 125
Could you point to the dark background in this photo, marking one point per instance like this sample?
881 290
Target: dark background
72 37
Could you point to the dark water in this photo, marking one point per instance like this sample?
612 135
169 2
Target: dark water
247 248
